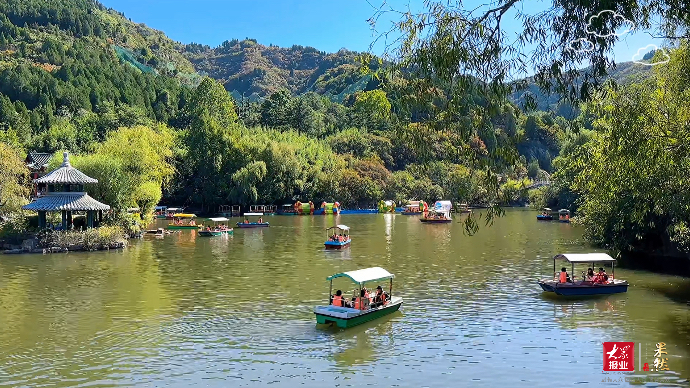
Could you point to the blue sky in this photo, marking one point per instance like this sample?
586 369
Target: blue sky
327 25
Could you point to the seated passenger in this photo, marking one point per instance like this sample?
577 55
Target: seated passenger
590 275
563 276
361 303
601 277
338 299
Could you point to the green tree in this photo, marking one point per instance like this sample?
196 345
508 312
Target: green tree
14 180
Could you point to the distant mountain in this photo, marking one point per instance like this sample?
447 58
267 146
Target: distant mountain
254 71
624 73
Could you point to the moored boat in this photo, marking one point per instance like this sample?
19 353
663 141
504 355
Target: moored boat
415 208
600 284
545 215
440 214
258 224
360 309
338 240
216 230
159 211
184 221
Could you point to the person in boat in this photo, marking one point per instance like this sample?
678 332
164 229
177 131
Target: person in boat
261 220
381 298
564 277
590 275
361 303
246 221
338 299
601 277
366 294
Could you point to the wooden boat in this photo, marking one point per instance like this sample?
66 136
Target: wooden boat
338 241
216 230
345 317
545 215
564 215
184 221
440 214
579 288
247 224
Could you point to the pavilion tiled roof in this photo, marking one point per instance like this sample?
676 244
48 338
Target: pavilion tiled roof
66 174
71 201
37 160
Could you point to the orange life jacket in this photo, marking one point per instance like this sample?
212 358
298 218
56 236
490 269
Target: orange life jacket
563 277
359 304
338 301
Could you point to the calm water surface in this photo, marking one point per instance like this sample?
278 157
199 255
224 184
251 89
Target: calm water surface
237 311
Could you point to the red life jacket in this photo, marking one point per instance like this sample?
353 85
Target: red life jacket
338 301
563 277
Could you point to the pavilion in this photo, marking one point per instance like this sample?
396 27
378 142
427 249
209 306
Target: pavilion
66 194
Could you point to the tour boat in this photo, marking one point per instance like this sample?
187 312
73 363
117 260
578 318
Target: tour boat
463 208
578 288
216 230
180 223
545 215
171 211
337 240
247 224
160 211
345 317
564 215
440 214
414 208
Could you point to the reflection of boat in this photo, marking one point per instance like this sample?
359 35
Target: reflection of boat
609 286
247 224
345 317
337 241
216 230
545 215
440 214
180 223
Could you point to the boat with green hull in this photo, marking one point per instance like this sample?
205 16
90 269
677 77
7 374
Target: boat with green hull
183 221
216 230
362 308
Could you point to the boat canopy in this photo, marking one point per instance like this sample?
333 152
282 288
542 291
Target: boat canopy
585 257
218 219
341 227
443 206
253 214
548 209
564 211
364 275
161 207
174 209
184 215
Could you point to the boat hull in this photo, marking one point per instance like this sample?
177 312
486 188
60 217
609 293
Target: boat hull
212 233
345 323
252 225
430 221
584 289
182 227
337 244
544 218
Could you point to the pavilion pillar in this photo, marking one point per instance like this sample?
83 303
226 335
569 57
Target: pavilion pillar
41 220
64 220
69 219
89 219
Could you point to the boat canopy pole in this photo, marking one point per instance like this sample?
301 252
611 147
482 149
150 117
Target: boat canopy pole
554 267
613 270
572 272
330 292
390 290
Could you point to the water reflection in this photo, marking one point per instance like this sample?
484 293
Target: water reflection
237 311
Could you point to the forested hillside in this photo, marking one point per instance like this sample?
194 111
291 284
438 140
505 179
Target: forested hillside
251 70
304 125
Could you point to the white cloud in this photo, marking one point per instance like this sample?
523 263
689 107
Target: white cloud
637 57
581 45
628 25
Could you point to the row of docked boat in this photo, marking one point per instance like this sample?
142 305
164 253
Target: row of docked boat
547 214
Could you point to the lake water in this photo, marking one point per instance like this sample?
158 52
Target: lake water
236 311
